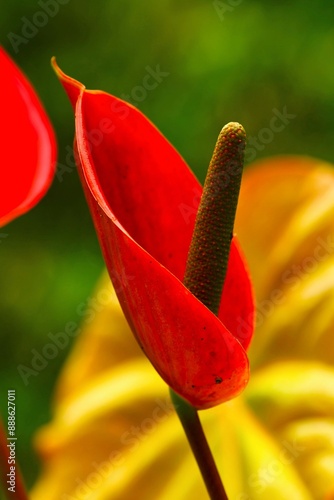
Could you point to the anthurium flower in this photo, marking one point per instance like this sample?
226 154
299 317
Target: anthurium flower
114 433
28 147
140 192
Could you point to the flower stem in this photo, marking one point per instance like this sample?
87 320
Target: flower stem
193 429
20 492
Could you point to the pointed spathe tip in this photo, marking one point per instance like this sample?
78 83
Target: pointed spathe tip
72 87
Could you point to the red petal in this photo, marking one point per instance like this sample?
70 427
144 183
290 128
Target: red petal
237 310
143 199
28 144
187 344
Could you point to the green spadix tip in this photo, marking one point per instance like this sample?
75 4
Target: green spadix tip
234 131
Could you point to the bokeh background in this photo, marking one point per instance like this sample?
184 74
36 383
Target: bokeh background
222 61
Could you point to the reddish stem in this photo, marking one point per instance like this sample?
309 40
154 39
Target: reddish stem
20 492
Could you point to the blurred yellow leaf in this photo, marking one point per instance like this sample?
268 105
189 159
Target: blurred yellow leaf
115 434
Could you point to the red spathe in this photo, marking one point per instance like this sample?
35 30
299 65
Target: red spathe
27 142
143 199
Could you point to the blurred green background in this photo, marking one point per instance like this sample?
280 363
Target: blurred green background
225 61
